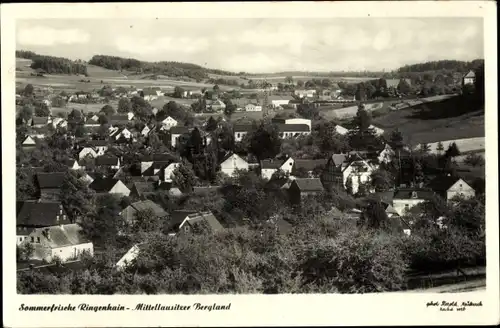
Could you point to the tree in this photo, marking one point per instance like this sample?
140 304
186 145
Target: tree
103 119
265 141
58 102
308 111
230 108
41 110
216 88
348 185
374 216
76 197
404 87
382 180
363 119
289 80
25 113
396 140
108 110
184 178
300 83
452 150
440 147
178 92
28 90
124 105
211 124
474 160
425 148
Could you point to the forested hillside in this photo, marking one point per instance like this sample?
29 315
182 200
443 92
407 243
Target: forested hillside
447 65
53 65
172 69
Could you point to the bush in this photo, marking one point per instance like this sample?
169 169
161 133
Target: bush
474 160
357 261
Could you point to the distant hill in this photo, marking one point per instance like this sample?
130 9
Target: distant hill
53 65
166 68
442 65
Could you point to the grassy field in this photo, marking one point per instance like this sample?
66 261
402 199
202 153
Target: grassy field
86 108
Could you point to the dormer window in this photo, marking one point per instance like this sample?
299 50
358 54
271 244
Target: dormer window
57 218
413 194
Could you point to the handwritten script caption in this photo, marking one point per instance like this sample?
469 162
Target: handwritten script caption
453 306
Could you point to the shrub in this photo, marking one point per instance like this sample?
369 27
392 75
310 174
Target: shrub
357 261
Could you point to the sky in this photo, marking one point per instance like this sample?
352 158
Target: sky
261 45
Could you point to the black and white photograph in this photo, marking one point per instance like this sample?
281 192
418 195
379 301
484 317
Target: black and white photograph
233 155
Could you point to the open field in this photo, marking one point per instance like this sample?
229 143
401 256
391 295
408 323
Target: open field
100 72
86 108
161 101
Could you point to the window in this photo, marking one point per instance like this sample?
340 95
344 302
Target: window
186 228
57 218
414 194
460 185
21 239
60 211
64 217
407 207
38 240
237 135
32 239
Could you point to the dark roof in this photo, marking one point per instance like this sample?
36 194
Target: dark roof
293 127
158 157
308 164
338 159
442 183
176 217
179 130
309 184
407 193
40 120
149 205
96 143
101 185
118 117
106 160
242 127
144 188
271 163
207 217
51 180
40 214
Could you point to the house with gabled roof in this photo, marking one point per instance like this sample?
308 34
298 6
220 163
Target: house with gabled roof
302 187
356 171
232 162
120 133
313 167
276 100
451 186
176 132
92 122
72 164
50 184
406 198
270 166
292 121
129 214
100 146
341 130
109 161
240 130
59 122
168 123
187 221
293 130
129 257
87 152
28 142
64 242
109 186
39 122
143 189
469 78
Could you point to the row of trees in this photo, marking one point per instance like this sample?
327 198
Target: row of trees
57 65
